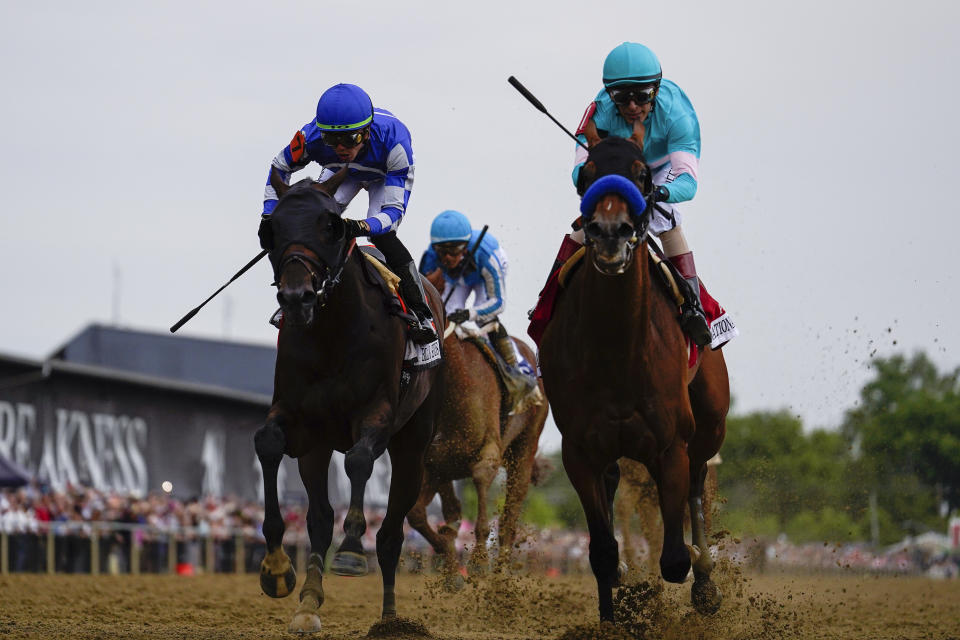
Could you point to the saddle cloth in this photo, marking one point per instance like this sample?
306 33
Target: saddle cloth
722 327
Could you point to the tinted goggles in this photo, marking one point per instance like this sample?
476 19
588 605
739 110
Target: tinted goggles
638 93
347 139
450 248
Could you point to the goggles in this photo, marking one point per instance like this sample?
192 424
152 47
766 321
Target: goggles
348 139
638 93
452 249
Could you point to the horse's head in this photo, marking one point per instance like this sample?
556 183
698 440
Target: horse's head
309 247
617 185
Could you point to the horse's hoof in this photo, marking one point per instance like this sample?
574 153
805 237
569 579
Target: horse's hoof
622 571
676 572
349 563
304 623
278 586
705 596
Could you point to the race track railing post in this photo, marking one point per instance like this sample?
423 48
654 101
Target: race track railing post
4 557
94 551
134 553
209 564
172 553
238 554
51 551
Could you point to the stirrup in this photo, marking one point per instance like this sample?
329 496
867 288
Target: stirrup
421 331
694 322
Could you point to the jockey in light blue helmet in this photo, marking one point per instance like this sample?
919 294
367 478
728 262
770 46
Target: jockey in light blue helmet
637 103
450 226
374 146
477 266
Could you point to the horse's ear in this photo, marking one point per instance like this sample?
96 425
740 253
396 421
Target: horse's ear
640 172
588 173
333 183
279 186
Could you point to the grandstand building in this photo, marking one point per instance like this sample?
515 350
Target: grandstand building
128 411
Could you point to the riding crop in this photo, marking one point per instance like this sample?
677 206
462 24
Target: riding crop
539 105
182 321
472 256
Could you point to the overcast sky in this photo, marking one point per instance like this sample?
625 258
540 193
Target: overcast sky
136 140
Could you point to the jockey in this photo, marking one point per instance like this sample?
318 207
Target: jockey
481 270
636 103
376 147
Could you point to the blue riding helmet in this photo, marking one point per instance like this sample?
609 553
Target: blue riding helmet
344 107
450 226
631 63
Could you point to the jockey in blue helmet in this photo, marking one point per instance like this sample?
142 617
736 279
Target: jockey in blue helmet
480 269
636 102
375 147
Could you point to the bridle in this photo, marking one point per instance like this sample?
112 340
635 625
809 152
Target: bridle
321 286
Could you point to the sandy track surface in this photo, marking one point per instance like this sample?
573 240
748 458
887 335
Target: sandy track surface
496 607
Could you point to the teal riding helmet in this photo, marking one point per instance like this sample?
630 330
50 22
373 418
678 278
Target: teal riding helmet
344 107
450 226
631 63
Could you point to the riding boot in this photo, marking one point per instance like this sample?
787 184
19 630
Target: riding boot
693 319
522 389
411 288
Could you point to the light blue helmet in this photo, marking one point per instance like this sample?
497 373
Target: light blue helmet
631 63
344 107
450 226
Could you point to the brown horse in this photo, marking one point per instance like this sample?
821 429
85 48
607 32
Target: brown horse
614 364
475 437
338 385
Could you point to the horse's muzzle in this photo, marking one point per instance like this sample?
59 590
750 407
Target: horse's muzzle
613 244
298 304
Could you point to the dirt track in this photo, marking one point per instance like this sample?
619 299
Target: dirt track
519 608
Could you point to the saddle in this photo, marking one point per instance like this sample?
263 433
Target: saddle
509 406
721 326
417 357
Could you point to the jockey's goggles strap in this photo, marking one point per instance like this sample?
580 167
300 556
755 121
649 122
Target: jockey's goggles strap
638 93
347 139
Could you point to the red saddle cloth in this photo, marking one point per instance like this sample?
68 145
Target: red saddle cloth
540 317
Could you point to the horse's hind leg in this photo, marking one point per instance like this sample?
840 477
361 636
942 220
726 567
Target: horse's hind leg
407 452
277 577
443 545
591 487
313 471
519 461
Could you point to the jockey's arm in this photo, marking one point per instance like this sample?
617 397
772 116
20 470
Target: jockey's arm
493 283
291 158
683 144
397 185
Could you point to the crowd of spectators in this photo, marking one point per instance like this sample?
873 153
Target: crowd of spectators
126 526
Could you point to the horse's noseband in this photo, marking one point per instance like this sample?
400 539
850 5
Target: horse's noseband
322 287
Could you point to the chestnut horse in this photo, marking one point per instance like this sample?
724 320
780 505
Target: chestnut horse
475 437
614 365
338 385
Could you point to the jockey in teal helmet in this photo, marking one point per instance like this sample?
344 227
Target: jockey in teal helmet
376 149
636 102
474 265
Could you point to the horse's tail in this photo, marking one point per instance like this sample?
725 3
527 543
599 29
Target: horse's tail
542 467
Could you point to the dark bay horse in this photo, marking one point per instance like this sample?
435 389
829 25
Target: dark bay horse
613 360
474 438
338 386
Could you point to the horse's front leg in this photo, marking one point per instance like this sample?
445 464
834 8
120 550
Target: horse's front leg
350 560
277 577
705 595
673 483
483 472
591 486
313 471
